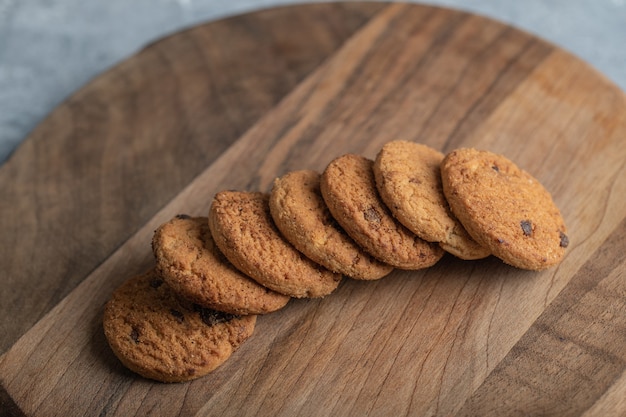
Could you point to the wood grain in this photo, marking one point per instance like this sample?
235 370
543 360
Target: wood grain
575 325
461 338
120 148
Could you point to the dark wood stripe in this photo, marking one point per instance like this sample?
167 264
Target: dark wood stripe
8 408
574 351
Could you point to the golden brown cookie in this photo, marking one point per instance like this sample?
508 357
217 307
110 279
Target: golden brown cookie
408 178
504 208
156 334
299 212
242 227
460 244
349 190
192 265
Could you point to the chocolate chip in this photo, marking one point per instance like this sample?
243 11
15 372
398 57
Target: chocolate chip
371 215
212 317
564 240
415 181
495 168
178 315
156 283
527 227
134 334
183 216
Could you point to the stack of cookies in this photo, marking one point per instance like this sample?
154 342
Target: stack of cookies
359 219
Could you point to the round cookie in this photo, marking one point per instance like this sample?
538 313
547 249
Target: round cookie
243 229
299 212
192 265
349 190
504 208
408 178
159 336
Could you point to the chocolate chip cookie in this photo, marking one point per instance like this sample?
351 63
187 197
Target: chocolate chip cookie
300 213
160 336
243 229
192 265
408 178
504 208
349 190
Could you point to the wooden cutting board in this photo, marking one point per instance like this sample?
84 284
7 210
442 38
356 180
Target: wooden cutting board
235 103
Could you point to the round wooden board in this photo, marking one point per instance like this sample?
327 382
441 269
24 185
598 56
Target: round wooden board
233 104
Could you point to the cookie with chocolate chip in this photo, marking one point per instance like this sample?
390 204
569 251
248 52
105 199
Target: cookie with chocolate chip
504 208
244 231
408 178
299 212
190 262
349 189
160 336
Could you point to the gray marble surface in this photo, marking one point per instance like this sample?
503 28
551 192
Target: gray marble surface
50 48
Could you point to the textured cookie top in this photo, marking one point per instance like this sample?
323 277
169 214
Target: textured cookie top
504 208
300 213
192 265
408 178
242 227
159 336
462 245
349 190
